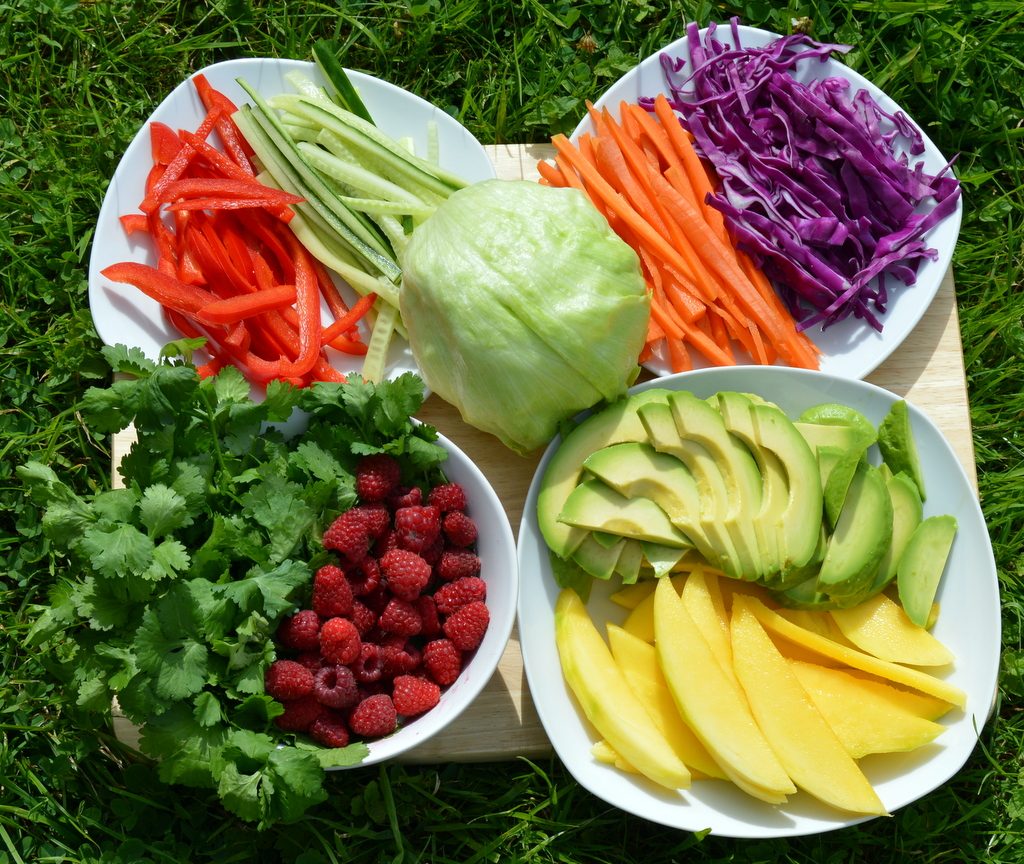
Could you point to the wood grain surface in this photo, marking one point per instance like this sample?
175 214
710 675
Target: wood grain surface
927 369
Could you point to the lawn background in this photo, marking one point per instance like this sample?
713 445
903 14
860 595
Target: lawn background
77 81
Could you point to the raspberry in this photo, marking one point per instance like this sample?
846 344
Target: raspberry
459 528
400 617
364 577
399 658
447 496
432 554
385 543
405 496
426 606
466 627
335 687
417 527
457 564
339 641
349 535
363 617
442 660
376 517
311 659
377 476
412 695
301 631
299 714
329 729
407 574
452 596
368 666
286 680
374 717
332 593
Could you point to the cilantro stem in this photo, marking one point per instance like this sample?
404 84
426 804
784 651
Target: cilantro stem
218 453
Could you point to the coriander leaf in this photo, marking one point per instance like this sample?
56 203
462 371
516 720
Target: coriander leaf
66 515
121 551
115 505
280 507
93 694
162 510
187 750
230 386
280 400
102 604
190 483
315 461
120 664
54 618
337 757
207 710
184 348
169 644
270 592
299 781
170 558
130 361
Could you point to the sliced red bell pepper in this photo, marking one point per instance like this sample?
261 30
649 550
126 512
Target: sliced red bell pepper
164 143
233 309
165 289
134 222
177 165
234 142
342 325
224 187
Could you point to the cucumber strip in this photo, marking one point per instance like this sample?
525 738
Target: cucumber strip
325 55
300 133
282 159
370 138
375 359
396 232
305 85
433 145
356 176
378 207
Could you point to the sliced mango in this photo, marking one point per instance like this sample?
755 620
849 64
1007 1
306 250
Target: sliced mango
804 742
865 718
914 678
638 662
602 751
881 627
607 699
630 595
712 704
703 601
640 621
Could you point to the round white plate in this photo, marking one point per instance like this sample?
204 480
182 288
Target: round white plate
123 314
969 624
851 348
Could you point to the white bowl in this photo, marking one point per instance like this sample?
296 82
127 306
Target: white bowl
123 314
969 624
499 568
850 348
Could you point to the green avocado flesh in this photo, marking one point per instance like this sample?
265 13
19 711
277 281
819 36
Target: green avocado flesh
663 479
896 444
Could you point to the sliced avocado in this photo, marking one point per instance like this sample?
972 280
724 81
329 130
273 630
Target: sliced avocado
663 435
863 533
799 526
698 422
599 561
896 444
837 486
907 512
840 435
735 410
837 414
630 559
637 470
661 559
804 595
921 565
606 540
617 422
596 507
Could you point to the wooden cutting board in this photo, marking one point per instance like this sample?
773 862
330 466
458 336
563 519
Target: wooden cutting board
502 723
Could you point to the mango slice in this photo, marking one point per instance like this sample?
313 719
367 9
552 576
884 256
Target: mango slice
881 627
629 596
865 718
914 678
602 751
638 662
607 699
806 745
640 621
712 704
703 601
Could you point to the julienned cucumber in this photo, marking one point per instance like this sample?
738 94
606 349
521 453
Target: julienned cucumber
325 54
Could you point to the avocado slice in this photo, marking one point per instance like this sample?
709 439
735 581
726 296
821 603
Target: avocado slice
897 446
863 533
907 512
837 414
663 435
839 435
698 422
921 565
617 422
637 470
662 559
597 560
630 561
596 507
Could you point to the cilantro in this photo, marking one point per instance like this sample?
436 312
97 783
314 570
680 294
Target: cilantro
173 586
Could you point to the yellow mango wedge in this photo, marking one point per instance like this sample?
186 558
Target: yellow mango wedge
881 627
602 751
865 718
638 662
913 678
629 596
607 699
702 598
640 621
712 704
806 745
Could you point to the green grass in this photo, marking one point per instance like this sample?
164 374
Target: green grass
77 79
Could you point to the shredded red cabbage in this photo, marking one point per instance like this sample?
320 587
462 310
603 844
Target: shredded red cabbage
816 184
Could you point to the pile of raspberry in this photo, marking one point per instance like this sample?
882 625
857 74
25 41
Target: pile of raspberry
393 622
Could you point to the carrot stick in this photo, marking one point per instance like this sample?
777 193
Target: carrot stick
551 173
571 177
679 357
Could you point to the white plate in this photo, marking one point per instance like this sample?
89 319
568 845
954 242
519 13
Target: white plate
123 314
851 348
969 624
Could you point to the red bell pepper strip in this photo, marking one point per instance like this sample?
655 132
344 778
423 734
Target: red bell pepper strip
228 204
177 166
233 309
133 222
164 143
224 187
234 143
165 289
349 319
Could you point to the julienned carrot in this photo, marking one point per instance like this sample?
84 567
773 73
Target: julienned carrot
551 173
